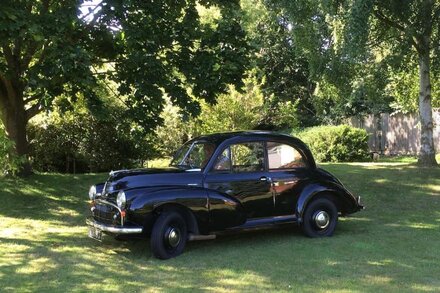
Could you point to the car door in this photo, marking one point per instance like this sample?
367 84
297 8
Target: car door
240 171
288 171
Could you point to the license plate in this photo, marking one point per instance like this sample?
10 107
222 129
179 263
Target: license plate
95 233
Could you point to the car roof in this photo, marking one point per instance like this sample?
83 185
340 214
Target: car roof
220 137
237 136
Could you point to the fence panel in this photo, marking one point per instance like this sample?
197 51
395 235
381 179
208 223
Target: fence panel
397 133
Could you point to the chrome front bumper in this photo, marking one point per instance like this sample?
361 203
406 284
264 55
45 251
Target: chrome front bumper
113 229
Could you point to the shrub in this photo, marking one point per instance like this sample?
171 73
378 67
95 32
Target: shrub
341 143
80 143
9 163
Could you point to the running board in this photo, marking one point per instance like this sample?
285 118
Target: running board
193 237
265 222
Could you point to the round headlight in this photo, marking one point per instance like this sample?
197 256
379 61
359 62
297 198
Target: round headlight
120 199
92 192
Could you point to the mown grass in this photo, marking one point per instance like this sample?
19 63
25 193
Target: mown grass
392 246
402 159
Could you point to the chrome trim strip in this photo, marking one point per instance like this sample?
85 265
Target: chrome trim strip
113 229
113 205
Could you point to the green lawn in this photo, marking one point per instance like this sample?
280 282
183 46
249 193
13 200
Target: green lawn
402 159
392 246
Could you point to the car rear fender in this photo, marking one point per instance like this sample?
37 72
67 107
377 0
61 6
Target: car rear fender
344 200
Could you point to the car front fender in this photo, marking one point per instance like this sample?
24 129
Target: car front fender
145 202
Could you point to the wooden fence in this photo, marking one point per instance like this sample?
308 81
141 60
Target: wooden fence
393 134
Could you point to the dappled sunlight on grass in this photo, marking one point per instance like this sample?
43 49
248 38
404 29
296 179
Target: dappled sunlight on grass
378 279
391 246
384 262
415 225
425 288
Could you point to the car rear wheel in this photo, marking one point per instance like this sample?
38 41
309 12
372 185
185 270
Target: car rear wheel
320 218
169 235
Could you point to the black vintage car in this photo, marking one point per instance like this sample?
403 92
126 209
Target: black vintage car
220 182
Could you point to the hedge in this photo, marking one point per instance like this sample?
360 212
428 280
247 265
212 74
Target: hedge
341 143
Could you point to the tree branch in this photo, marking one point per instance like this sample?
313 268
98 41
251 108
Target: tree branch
30 52
33 98
9 57
34 110
382 17
17 48
92 12
111 90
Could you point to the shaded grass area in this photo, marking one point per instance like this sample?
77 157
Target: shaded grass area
391 246
403 159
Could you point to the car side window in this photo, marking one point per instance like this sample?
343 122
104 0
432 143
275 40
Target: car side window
283 156
242 157
223 161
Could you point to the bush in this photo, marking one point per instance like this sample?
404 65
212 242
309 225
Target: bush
9 163
341 143
81 143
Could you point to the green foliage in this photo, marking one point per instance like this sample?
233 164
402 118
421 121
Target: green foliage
305 59
395 33
49 47
336 143
282 67
404 87
144 48
80 143
164 47
174 131
233 111
9 162
77 141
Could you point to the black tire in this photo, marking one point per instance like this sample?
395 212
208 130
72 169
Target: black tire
163 244
315 222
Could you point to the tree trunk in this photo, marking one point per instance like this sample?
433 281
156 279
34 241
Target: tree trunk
14 118
427 150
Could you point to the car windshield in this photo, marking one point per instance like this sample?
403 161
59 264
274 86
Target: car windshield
194 155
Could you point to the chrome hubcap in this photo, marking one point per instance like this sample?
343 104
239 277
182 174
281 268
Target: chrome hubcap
173 237
322 219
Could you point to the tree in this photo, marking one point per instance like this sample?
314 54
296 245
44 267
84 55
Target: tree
336 85
41 56
145 47
350 46
281 64
413 24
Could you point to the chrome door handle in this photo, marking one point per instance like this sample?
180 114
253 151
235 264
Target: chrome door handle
264 178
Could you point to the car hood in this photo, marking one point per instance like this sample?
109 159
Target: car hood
137 178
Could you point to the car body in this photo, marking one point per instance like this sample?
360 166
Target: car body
221 182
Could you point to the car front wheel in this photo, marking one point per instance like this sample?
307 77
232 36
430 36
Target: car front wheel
320 218
169 235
